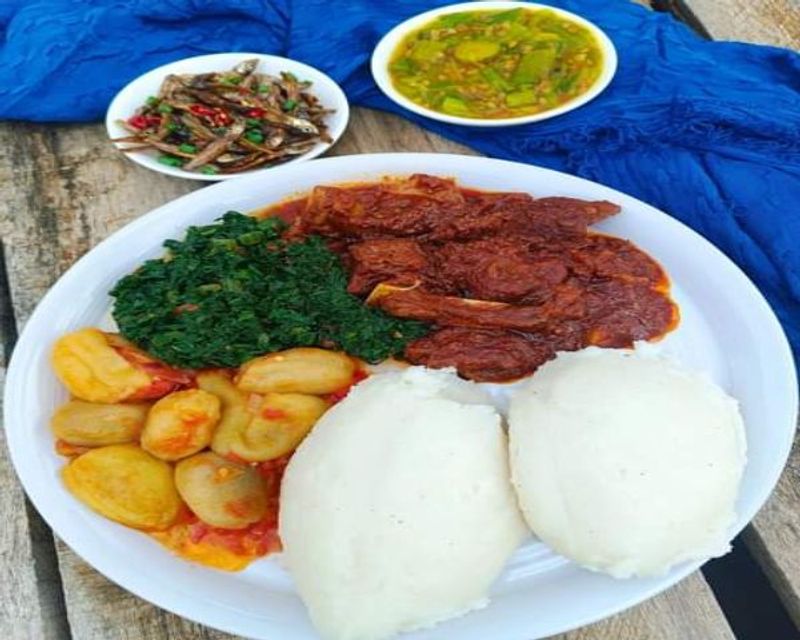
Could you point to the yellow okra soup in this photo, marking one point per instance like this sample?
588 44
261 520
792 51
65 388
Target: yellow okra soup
496 64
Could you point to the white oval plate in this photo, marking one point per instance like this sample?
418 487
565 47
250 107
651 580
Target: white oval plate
727 330
385 48
133 95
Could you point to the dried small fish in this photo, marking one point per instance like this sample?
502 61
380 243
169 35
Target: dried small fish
291 86
126 139
169 86
138 147
275 139
246 67
229 121
217 147
252 161
196 127
175 150
305 126
208 97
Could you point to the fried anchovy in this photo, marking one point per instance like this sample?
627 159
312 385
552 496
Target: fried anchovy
212 111
217 147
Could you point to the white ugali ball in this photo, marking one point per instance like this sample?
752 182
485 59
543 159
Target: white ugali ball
624 463
397 510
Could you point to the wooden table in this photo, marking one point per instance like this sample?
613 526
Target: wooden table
64 188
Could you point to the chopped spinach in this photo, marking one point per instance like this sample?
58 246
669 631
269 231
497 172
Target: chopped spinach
235 289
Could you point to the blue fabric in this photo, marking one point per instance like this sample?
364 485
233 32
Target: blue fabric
707 131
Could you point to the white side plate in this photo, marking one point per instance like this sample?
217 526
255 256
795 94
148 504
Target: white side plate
134 94
385 48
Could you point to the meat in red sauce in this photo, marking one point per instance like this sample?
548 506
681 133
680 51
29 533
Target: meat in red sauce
618 313
506 279
500 268
450 311
600 256
480 354
399 260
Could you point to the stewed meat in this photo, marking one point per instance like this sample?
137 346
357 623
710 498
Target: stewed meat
602 256
505 279
389 209
500 268
479 354
520 215
396 260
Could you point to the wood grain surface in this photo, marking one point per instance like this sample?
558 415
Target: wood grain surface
775 22
63 189
31 605
774 536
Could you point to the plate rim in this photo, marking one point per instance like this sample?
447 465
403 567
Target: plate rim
180 603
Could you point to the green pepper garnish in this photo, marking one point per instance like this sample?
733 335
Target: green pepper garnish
170 161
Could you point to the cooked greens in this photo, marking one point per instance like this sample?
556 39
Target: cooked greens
235 289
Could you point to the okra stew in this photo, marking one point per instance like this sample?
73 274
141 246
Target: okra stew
496 64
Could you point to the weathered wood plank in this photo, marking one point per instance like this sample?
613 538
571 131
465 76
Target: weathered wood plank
376 132
31 600
774 536
66 189
775 22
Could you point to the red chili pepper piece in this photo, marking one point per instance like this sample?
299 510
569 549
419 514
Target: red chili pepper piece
221 117
255 113
201 110
218 116
138 122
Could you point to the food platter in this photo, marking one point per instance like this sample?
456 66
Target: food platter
727 330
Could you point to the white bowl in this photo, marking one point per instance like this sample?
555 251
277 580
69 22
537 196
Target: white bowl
726 330
134 94
383 52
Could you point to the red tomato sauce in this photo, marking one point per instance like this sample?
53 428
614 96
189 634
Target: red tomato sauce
229 549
